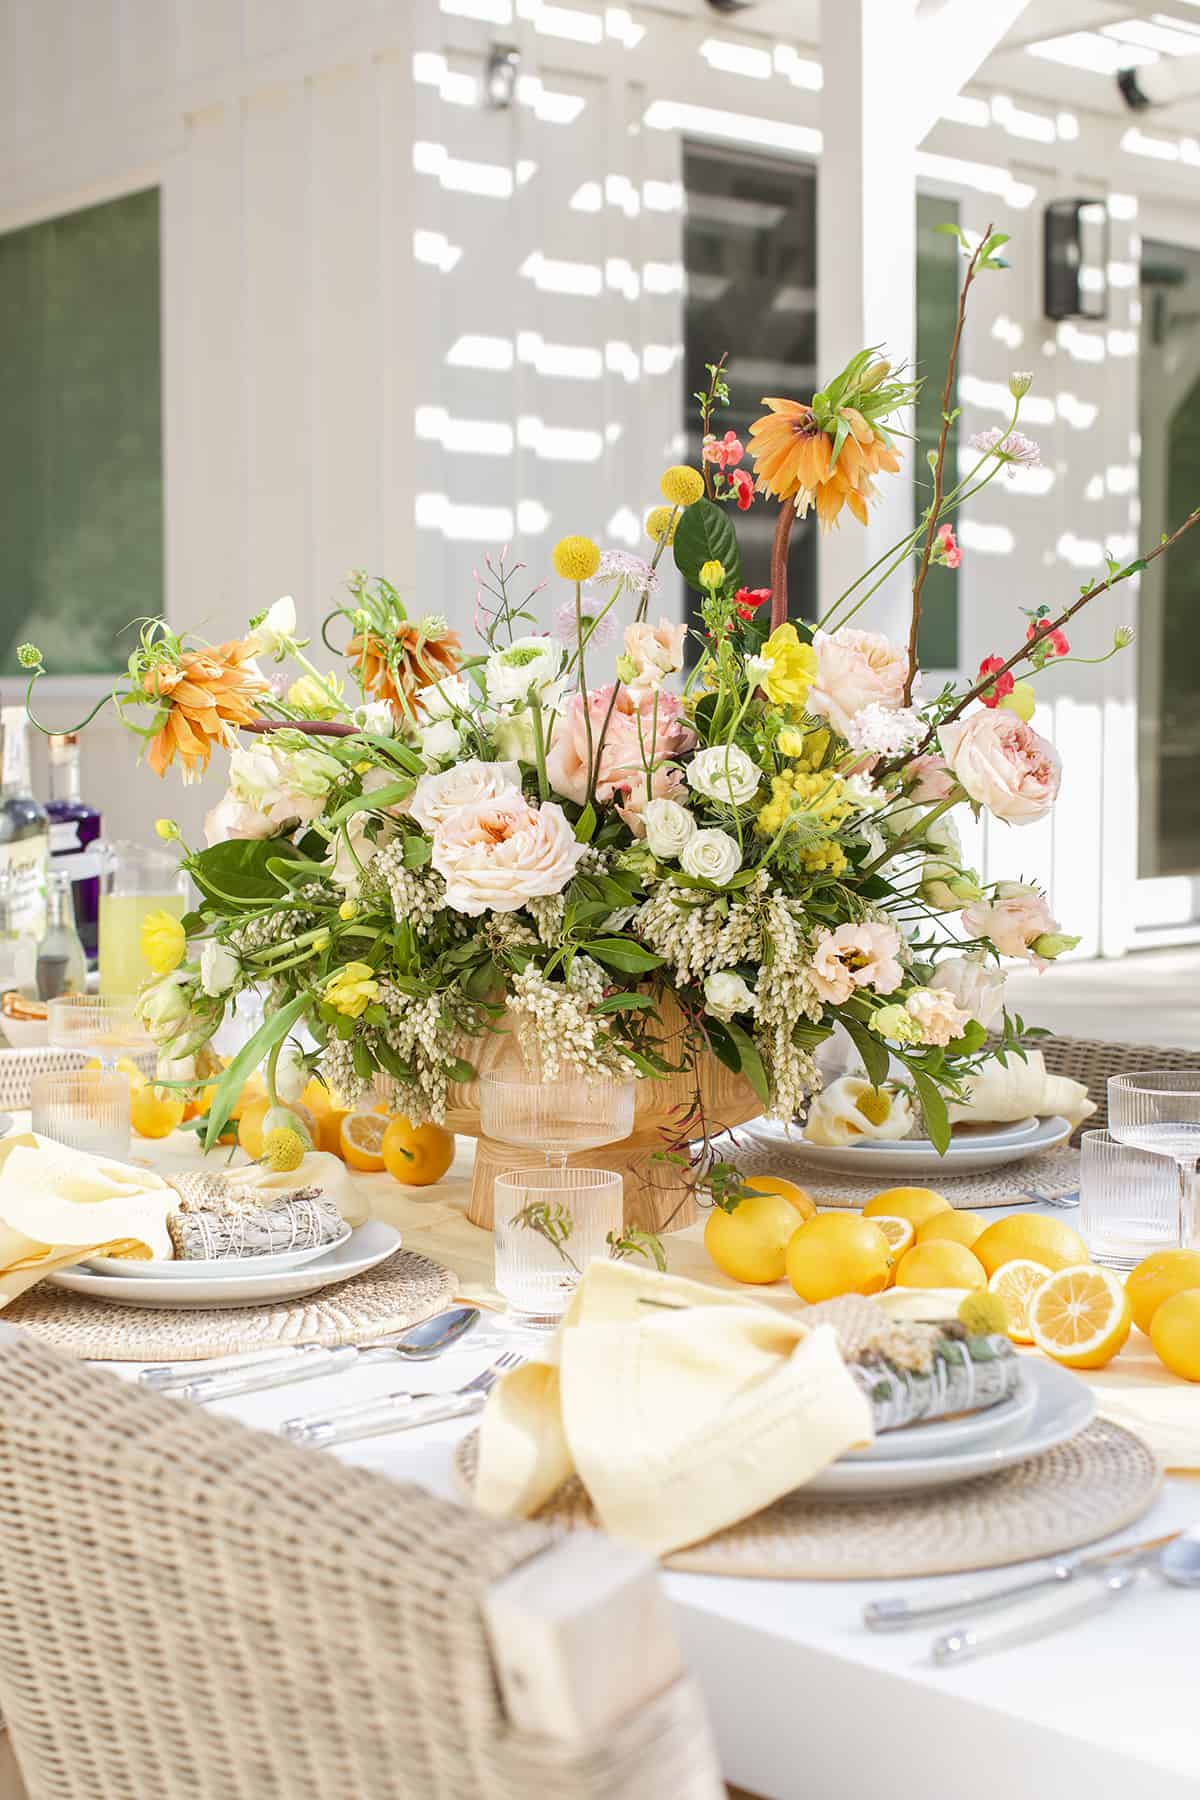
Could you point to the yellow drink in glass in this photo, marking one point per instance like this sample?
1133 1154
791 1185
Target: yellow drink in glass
122 965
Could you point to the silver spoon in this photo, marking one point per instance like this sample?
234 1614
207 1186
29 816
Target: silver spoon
1180 1560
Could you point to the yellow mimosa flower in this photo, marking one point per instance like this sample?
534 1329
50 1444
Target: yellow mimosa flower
352 990
163 941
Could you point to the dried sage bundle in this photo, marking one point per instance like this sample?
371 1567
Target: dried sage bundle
218 1222
918 1372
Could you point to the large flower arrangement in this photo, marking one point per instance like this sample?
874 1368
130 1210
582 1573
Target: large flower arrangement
761 832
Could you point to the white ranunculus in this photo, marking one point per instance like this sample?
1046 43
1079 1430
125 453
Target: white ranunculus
439 741
162 1007
442 699
276 631
668 828
529 666
711 856
724 772
291 1076
219 969
511 731
376 717
725 993
269 788
977 987
436 798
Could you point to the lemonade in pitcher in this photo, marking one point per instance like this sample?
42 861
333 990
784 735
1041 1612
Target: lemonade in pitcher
136 880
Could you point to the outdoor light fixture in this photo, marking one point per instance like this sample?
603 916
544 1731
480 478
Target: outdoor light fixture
1161 83
1075 259
731 6
500 83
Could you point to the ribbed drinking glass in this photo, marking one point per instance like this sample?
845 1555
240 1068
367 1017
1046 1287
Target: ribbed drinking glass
1159 1110
87 1109
1128 1200
549 1224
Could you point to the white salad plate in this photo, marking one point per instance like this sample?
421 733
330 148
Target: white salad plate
1063 1406
965 1431
6 1124
148 1269
360 1250
976 1149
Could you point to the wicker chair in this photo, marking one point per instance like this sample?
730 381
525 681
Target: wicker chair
1093 1060
195 1611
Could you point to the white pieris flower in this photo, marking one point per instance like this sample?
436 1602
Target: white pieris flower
884 730
711 856
724 772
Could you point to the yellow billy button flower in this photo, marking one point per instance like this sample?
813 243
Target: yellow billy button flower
163 941
167 830
793 667
283 1150
352 990
712 575
681 485
661 522
576 558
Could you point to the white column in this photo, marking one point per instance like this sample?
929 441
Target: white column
866 255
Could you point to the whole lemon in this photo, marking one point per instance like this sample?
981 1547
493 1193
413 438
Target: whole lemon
916 1204
1175 1334
155 1112
803 1202
750 1242
417 1154
1157 1278
838 1253
956 1227
940 1264
1033 1238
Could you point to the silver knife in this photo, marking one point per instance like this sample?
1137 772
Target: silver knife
1037 1616
901 1612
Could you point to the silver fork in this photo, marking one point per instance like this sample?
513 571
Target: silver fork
396 1412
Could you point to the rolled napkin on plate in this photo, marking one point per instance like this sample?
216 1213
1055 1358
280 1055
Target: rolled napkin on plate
58 1206
999 1095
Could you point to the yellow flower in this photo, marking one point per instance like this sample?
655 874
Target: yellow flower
790 743
712 574
312 696
163 941
362 768
352 990
348 909
661 522
681 485
793 667
576 558
167 830
796 791
826 856
283 1150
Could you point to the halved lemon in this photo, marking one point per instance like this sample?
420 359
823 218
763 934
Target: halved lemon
362 1141
1080 1316
901 1234
1016 1283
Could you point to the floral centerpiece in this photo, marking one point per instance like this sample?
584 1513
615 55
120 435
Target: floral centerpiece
743 827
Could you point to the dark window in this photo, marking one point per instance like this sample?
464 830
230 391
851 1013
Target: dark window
938 274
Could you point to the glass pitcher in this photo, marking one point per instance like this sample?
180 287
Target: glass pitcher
135 879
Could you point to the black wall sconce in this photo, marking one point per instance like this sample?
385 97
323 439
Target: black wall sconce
1075 259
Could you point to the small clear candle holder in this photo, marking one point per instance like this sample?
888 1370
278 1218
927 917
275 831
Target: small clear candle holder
87 1109
1128 1200
549 1224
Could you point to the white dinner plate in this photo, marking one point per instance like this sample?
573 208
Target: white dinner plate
917 1156
966 1431
1063 1405
364 1247
6 1124
153 1269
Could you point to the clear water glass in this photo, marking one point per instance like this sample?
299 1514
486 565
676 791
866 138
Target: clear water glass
87 1109
549 1225
575 1112
1128 1200
1159 1110
104 1024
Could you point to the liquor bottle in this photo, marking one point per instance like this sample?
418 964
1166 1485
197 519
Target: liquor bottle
18 950
61 963
24 828
74 829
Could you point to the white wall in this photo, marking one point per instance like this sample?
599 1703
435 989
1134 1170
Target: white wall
401 328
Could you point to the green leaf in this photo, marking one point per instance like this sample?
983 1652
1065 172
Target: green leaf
585 825
874 1053
238 872
752 1063
933 1105
623 954
723 1046
624 1003
269 1033
705 534
390 1062
364 1064
417 852
461 1070
375 801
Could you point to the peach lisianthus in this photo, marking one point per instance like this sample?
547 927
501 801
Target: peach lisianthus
937 1015
655 651
666 783
1003 764
644 730
854 956
1013 921
855 669
501 852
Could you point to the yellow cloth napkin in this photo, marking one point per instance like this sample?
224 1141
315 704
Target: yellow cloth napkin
999 1095
681 1408
59 1205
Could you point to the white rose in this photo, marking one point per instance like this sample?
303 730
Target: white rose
529 666
376 717
442 699
725 993
724 772
711 856
976 986
436 798
291 1076
501 852
219 969
668 828
439 741
276 631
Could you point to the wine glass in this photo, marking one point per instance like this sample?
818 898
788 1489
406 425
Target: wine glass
1159 1109
575 1112
105 1024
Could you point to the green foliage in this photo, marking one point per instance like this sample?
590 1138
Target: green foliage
705 534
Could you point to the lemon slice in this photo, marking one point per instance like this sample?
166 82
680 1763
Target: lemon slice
901 1234
362 1141
1016 1283
1080 1316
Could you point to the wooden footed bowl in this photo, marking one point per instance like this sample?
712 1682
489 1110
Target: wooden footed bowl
654 1191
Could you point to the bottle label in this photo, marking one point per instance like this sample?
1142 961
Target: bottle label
64 836
26 861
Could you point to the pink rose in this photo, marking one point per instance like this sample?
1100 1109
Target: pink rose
645 730
1014 921
499 853
666 783
936 1015
1003 764
855 669
856 956
931 779
655 651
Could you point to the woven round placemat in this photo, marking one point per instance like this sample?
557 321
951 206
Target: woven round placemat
1095 1483
1047 1176
394 1294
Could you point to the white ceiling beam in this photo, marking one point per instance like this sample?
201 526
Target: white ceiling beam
951 41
